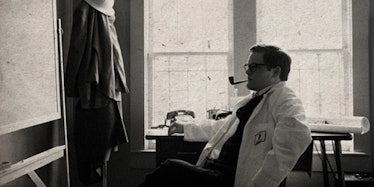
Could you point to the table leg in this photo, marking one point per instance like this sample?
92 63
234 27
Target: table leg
158 152
105 174
338 156
324 165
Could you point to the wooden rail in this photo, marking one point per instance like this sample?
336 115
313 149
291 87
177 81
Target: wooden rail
29 165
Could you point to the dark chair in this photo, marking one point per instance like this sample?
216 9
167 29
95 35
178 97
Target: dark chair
303 164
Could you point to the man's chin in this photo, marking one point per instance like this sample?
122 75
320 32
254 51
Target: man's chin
250 87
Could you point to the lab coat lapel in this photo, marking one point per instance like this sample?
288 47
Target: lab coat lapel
242 102
260 105
257 109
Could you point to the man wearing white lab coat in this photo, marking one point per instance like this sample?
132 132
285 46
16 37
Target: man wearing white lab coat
272 134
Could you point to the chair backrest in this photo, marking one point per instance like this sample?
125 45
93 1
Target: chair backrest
305 161
303 164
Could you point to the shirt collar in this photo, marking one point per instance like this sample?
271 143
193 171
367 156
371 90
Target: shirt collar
245 100
264 90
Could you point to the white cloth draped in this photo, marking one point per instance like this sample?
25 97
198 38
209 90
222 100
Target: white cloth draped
104 6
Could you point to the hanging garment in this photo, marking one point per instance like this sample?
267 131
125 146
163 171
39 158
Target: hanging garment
94 135
95 75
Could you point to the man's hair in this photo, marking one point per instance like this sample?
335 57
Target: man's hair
273 57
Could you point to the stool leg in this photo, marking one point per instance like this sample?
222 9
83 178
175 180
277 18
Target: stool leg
324 164
338 156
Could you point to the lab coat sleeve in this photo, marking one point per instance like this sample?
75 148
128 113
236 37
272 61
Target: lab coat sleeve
291 138
202 130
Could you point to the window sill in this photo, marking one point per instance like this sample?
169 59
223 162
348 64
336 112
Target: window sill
356 153
351 161
152 150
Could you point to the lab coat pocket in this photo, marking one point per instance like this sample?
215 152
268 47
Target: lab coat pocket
261 139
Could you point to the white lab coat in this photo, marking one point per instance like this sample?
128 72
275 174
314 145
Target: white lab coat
274 138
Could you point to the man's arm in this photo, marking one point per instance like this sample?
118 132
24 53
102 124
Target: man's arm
197 130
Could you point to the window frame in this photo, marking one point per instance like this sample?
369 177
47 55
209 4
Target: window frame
151 53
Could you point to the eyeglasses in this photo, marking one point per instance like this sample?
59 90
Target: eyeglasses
252 67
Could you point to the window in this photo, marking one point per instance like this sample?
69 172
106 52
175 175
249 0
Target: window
188 46
317 35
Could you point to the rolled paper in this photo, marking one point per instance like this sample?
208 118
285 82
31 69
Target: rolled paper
354 124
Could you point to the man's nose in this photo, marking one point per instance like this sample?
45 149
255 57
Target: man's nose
248 71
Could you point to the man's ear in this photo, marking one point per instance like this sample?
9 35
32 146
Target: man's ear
276 72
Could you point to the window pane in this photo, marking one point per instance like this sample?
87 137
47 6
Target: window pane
189 26
318 79
198 87
300 24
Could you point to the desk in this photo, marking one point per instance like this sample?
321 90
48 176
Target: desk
175 147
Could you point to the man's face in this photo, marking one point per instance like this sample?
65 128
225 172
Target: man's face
259 76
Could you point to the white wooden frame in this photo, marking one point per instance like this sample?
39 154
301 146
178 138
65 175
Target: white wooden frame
18 32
